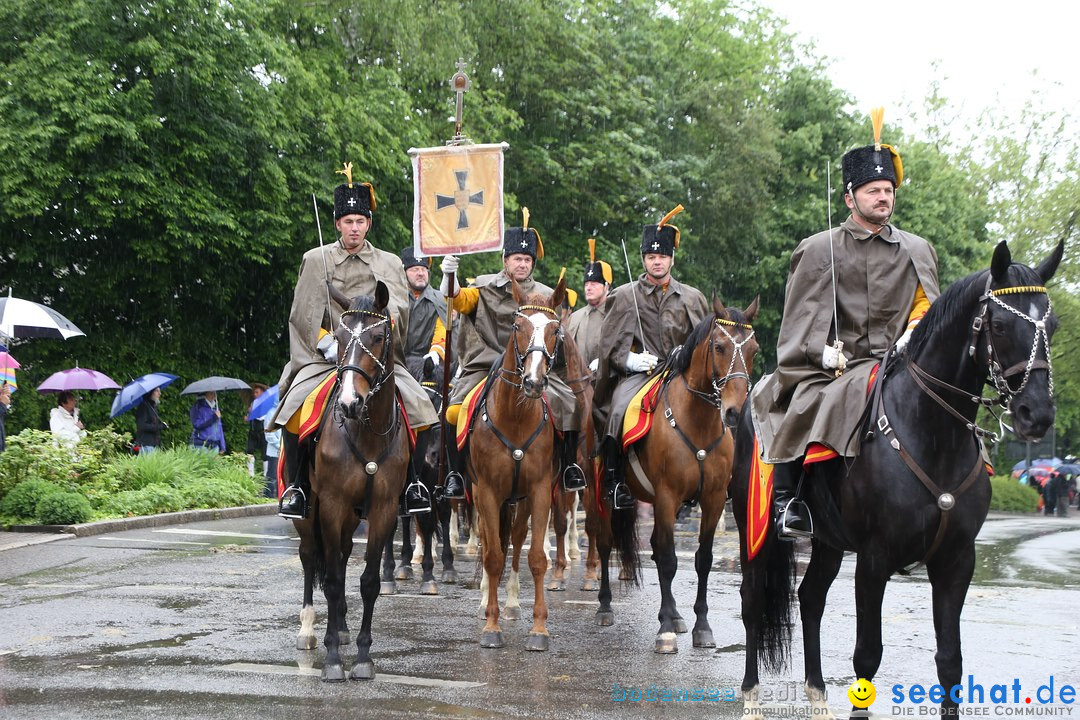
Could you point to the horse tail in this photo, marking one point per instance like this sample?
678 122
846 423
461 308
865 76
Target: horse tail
775 614
624 534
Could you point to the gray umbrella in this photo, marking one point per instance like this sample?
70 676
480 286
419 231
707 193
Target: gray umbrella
214 383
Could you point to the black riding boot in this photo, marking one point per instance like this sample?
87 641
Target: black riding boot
293 503
792 515
415 499
454 483
573 478
614 483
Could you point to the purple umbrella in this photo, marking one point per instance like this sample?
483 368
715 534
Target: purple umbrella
77 378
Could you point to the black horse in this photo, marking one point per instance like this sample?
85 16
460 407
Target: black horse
918 492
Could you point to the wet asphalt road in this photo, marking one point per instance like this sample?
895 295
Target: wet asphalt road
199 620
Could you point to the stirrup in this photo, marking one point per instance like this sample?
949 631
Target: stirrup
790 532
293 514
417 498
453 487
621 497
573 478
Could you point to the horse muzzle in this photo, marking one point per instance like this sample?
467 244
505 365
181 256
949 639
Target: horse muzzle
351 409
1031 421
533 388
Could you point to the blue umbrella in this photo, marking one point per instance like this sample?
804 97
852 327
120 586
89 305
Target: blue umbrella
263 404
132 394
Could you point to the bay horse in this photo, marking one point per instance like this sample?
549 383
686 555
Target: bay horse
359 468
511 458
918 491
686 457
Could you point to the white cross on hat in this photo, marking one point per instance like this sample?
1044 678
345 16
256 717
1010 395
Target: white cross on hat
655 245
352 201
524 243
589 274
878 169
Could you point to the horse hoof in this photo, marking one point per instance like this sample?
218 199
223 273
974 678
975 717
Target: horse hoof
363 671
512 612
590 586
666 643
333 673
704 639
680 626
605 618
449 577
429 587
491 639
537 642
388 587
557 585
404 572
306 642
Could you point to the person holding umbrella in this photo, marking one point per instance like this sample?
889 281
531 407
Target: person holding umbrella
148 424
256 439
5 403
207 432
64 420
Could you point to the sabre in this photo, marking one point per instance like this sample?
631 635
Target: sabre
322 253
832 267
633 294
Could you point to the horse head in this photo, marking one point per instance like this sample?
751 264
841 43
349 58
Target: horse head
731 351
535 337
1014 339
365 348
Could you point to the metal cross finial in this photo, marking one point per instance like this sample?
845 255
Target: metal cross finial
460 84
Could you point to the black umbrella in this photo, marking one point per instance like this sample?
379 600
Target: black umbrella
214 383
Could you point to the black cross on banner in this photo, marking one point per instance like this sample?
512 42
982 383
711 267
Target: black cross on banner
461 199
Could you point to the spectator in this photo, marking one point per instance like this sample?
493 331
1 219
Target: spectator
207 432
64 420
5 403
256 439
148 424
273 450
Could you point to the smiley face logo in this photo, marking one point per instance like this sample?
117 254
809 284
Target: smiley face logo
862 693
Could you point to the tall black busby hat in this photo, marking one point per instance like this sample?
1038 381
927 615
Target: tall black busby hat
596 271
353 198
872 162
409 259
524 239
661 238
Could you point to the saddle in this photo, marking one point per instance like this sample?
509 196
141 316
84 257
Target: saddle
638 419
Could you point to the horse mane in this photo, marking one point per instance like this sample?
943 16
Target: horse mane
701 332
957 298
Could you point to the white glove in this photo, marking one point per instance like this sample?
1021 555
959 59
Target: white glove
833 359
594 365
328 347
433 357
903 341
640 362
448 265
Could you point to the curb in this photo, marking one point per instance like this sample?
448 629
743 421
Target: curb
145 521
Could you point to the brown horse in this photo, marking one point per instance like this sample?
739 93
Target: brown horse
510 456
686 456
360 463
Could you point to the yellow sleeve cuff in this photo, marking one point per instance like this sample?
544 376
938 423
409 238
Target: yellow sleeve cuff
466 301
438 338
919 306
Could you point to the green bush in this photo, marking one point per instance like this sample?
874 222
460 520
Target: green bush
227 488
22 501
63 508
150 500
1011 496
32 455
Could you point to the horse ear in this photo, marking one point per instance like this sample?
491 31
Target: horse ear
339 297
1049 266
1001 262
717 305
751 310
429 367
517 292
559 296
382 296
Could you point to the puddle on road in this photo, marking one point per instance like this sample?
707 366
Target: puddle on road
1039 558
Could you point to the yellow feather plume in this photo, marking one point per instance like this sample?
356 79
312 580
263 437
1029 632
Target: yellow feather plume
524 218
592 250
877 119
678 209
347 172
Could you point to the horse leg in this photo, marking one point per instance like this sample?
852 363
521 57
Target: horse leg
448 520
710 515
869 590
752 594
453 533
336 544
820 573
473 543
418 550
663 545
605 616
404 569
539 639
305 639
382 524
494 560
558 519
572 537
512 608
425 525
950 575
388 586
591 579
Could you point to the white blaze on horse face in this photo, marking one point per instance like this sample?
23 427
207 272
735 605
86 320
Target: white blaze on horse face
532 360
348 377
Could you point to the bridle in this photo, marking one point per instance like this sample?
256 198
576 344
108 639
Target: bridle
356 340
719 382
521 356
1000 377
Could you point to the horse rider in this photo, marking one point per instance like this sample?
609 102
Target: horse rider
487 315
426 339
586 323
645 322
880 281
354 266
